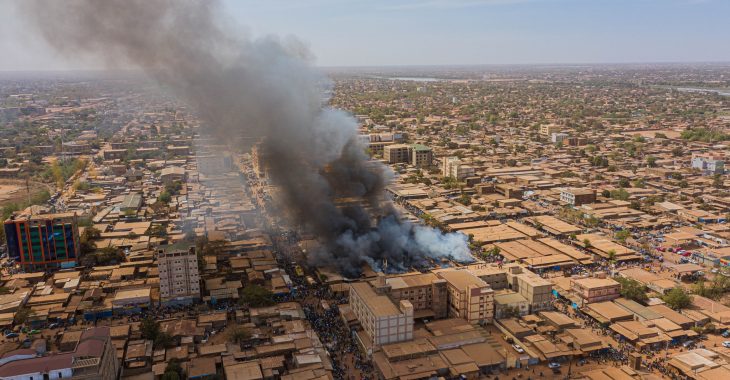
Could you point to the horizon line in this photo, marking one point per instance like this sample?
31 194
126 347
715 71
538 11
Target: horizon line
436 65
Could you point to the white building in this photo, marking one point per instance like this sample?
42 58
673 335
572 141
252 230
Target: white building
558 138
453 167
179 277
382 320
709 164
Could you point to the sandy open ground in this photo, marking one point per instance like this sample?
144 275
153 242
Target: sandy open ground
14 190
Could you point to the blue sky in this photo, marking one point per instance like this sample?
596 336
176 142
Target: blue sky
433 32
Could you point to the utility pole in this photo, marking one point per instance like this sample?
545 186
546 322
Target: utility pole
27 188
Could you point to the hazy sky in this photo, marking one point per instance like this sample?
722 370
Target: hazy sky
433 32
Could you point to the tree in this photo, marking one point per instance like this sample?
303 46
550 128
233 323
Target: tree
165 197
257 296
109 255
623 182
173 370
494 251
651 161
464 199
716 289
149 328
511 312
22 315
622 235
162 340
587 243
239 334
677 298
170 376
718 182
611 255
90 233
620 194
632 289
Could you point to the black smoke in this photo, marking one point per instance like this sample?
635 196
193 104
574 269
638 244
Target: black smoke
256 88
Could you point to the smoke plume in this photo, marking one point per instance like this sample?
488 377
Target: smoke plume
256 87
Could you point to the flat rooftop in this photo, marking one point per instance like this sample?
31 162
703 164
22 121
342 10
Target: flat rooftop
379 305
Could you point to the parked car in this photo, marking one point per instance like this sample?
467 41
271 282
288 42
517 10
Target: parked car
10 334
553 365
518 348
507 339
726 344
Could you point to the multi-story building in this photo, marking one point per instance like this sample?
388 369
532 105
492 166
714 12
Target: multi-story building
397 153
446 164
172 174
425 291
509 304
708 163
422 156
453 167
536 290
549 129
469 297
94 358
40 241
493 275
382 320
577 197
179 278
377 148
558 138
592 289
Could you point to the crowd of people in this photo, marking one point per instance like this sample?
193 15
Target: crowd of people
347 360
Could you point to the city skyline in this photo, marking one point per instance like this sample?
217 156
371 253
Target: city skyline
447 33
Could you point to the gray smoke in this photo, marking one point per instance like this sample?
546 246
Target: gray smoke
267 88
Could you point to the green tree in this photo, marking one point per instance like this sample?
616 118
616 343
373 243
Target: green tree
494 251
173 370
677 298
718 182
90 233
257 296
165 197
464 199
239 334
651 161
632 289
149 328
620 194
22 315
611 255
162 340
622 235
